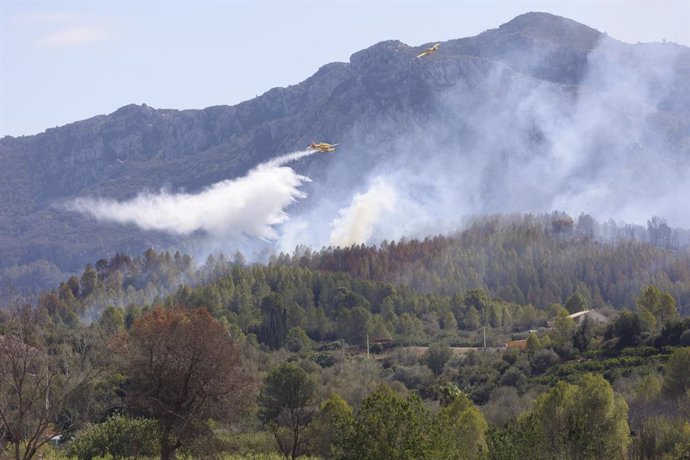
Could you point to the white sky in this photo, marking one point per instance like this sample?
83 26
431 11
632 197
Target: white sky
67 60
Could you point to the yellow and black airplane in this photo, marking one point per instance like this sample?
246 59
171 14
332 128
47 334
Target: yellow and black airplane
429 51
322 147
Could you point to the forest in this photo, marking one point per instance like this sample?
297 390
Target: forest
525 336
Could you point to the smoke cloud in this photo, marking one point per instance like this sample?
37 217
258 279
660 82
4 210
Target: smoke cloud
355 222
496 140
251 205
616 146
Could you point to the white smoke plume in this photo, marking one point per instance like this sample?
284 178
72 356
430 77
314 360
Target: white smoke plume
250 205
615 147
356 222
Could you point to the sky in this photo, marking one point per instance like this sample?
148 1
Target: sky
68 60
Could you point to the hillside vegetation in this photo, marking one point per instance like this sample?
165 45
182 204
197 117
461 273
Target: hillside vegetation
249 360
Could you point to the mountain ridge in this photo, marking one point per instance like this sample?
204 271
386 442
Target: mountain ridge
138 148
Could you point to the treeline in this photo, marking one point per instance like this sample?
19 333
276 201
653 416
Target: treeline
506 273
279 304
522 259
538 260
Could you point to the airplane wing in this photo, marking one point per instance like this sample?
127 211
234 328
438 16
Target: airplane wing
429 51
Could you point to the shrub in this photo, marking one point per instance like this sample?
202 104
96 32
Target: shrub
324 359
542 360
119 436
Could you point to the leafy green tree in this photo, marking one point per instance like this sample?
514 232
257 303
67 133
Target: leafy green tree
357 326
273 331
563 330
522 438
533 343
297 340
472 319
513 377
542 360
448 322
436 357
287 405
387 427
409 328
556 310
378 327
659 308
459 431
628 328
663 438
112 320
89 280
584 335
677 373
584 421
331 428
477 298
576 302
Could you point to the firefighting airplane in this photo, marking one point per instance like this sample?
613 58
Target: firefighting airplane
429 51
322 147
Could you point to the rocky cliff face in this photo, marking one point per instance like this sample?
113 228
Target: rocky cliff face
141 148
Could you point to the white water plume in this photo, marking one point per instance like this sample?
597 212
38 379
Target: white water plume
250 205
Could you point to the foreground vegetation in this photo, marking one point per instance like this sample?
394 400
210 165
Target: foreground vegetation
312 355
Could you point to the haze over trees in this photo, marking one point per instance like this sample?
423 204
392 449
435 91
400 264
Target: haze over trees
515 336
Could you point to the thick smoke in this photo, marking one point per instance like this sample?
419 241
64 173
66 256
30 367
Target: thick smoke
356 222
617 146
251 205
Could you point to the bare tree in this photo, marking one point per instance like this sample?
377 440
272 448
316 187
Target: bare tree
34 383
183 369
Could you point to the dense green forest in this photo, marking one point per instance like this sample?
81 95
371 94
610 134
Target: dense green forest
461 346
536 259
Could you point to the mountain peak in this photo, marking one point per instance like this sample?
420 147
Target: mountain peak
551 28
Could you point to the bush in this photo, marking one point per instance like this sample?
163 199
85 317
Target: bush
324 359
542 360
331 346
414 377
513 377
119 436
510 356
436 357
297 340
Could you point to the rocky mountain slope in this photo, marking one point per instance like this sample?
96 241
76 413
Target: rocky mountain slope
141 148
